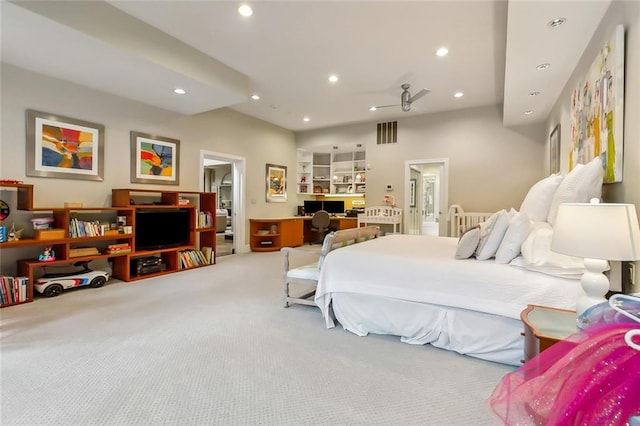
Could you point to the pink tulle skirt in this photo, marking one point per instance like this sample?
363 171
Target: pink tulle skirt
592 378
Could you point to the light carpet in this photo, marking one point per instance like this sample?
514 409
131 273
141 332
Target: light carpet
216 346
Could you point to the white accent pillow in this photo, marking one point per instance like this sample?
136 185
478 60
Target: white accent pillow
538 200
491 234
537 254
517 233
468 243
582 184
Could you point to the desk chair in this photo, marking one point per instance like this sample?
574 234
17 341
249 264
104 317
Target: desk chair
320 223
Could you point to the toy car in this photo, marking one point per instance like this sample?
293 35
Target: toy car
52 284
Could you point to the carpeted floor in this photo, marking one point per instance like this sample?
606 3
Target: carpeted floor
215 346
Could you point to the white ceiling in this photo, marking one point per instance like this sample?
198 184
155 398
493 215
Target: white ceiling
286 51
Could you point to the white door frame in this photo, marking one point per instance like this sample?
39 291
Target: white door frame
444 189
238 168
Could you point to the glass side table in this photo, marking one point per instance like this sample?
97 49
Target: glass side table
545 326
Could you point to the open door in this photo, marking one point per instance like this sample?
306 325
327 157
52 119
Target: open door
231 194
426 196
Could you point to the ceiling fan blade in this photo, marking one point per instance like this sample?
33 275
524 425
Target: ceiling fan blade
419 95
384 106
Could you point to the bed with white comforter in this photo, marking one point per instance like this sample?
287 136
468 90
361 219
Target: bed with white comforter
417 287
413 287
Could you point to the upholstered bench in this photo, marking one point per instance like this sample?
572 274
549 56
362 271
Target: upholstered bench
308 274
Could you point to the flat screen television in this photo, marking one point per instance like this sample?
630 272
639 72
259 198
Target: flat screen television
312 206
333 206
161 228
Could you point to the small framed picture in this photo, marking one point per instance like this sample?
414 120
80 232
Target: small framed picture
412 192
276 178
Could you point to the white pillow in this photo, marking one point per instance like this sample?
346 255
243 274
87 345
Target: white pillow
537 254
517 233
468 243
582 184
491 234
538 200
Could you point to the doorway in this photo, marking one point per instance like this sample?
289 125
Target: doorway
224 174
426 196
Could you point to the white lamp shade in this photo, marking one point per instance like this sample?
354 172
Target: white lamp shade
598 231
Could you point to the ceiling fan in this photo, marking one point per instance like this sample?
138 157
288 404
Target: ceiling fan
405 98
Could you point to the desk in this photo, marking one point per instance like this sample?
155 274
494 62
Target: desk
274 233
337 223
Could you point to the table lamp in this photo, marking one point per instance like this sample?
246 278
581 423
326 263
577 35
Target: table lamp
597 232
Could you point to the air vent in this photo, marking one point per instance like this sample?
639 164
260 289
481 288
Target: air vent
388 132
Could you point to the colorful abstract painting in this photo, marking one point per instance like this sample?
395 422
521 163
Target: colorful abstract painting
154 159
597 111
63 147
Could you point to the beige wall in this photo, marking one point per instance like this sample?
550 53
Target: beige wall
628 14
490 167
224 131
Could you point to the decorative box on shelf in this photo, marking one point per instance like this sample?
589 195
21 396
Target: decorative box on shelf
49 234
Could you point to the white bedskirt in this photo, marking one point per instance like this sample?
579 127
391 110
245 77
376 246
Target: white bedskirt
480 335
412 286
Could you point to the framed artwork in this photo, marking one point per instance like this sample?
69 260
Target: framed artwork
554 150
597 111
154 159
276 183
64 147
412 193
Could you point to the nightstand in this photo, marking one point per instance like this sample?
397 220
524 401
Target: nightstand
544 326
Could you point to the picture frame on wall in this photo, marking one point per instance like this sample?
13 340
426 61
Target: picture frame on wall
64 147
597 111
412 192
154 159
554 150
276 183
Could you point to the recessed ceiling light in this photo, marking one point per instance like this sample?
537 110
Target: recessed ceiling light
333 78
373 108
442 51
534 93
255 97
458 95
543 66
245 10
556 22
179 91
306 119
528 112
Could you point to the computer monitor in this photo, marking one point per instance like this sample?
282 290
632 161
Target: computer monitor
312 206
333 206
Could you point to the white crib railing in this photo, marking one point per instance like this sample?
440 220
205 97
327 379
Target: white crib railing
459 220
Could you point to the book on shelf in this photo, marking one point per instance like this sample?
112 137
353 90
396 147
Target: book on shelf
119 251
81 228
208 254
192 258
13 289
83 251
205 219
118 246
